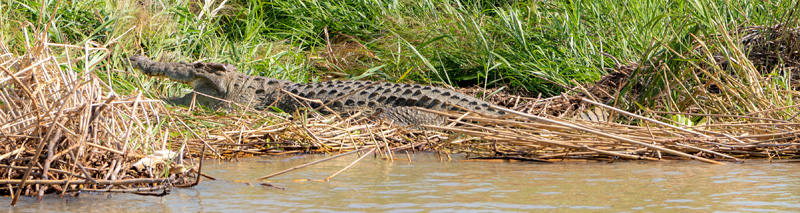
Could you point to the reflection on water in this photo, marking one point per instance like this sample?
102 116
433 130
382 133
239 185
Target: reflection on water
430 185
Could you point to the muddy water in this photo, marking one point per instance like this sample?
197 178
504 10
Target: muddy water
427 184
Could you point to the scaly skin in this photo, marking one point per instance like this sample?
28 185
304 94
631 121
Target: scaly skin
395 102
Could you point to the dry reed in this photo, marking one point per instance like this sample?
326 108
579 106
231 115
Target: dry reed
66 130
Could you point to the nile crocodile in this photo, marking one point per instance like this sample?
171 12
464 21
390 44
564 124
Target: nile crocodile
390 101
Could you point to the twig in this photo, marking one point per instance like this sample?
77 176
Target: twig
709 151
351 164
42 144
309 164
132 190
99 182
199 168
633 157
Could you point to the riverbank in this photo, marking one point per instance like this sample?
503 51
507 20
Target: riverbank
75 117
87 137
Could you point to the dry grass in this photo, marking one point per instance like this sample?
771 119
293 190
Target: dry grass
65 130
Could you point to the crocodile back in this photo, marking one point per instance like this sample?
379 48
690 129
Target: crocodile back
257 91
368 96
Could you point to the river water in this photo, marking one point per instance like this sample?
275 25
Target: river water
429 185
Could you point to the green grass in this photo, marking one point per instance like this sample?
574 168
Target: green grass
538 46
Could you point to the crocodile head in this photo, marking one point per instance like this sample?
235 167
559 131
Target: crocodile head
207 78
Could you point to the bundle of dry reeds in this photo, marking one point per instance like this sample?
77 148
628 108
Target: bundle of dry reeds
240 135
525 136
575 138
64 130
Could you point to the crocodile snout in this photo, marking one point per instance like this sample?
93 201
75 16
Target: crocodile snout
137 61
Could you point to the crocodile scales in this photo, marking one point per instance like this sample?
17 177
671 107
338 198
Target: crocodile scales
391 101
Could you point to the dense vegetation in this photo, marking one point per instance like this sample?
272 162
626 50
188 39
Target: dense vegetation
539 46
